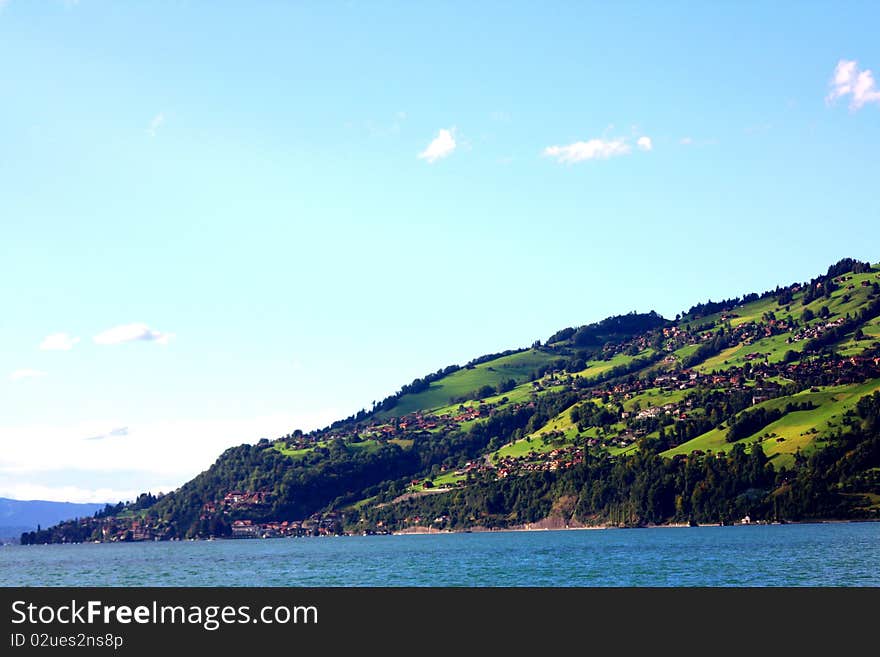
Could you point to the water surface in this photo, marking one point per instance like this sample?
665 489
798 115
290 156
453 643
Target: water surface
833 554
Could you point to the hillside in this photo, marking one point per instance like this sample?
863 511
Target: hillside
764 405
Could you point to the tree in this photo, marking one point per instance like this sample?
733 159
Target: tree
484 391
505 386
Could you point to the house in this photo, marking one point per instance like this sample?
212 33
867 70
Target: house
245 529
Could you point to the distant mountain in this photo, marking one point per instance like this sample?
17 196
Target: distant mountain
17 516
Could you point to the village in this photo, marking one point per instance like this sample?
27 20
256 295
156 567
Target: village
329 524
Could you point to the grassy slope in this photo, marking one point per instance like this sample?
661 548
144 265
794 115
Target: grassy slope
522 393
776 347
597 367
516 366
444 480
297 453
655 397
534 442
849 346
796 428
364 446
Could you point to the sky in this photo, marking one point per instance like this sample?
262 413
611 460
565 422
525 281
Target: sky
222 221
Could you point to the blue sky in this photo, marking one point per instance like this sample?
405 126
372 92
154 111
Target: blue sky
233 220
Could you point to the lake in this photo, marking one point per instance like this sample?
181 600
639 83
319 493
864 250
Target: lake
826 554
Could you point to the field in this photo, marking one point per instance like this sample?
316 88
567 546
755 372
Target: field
849 346
798 430
522 393
297 453
745 313
655 397
597 367
517 366
774 347
534 442
444 480
524 446
364 445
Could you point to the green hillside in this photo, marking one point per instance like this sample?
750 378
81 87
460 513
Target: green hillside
466 382
623 421
797 431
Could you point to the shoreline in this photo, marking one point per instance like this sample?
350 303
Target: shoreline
424 531
529 527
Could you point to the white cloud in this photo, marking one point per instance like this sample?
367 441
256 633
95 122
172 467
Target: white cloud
156 123
848 80
132 333
594 149
442 146
58 342
686 141
25 373
645 143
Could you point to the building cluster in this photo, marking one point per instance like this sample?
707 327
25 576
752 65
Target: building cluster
815 330
318 525
560 458
235 501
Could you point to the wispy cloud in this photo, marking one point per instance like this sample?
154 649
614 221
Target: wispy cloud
594 149
686 141
132 333
443 145
848 80
645 143
157 122
113 433
58 342
26 373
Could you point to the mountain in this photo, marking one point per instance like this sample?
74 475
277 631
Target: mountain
17 516
766 406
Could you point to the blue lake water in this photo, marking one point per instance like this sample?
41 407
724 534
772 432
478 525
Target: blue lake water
834 554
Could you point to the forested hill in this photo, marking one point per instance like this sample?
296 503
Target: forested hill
764 406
